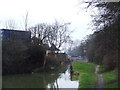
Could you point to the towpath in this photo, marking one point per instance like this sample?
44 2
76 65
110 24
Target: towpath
100 83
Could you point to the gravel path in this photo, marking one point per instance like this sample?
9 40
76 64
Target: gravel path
100 83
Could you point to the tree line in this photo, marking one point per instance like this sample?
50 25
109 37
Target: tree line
101 47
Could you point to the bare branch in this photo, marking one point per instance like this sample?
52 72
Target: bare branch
26 21
10 24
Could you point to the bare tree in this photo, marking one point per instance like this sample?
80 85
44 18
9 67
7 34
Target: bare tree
26 21
60 34
41 32
10 24
56 33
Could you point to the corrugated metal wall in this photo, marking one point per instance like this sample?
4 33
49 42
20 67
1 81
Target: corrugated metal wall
16 35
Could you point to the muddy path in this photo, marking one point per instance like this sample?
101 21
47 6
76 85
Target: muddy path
100 83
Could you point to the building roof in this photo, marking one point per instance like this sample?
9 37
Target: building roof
8 34
54 48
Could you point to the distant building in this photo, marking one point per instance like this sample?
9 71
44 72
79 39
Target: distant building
75 58
54 48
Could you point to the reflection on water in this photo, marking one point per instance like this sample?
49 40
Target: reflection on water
64 81
40 80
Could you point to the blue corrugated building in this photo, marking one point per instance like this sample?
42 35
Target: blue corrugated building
15 47
8 34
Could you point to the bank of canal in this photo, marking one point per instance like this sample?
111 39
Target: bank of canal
85 73
41 80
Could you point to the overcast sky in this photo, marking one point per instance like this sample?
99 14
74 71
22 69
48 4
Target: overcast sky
47 11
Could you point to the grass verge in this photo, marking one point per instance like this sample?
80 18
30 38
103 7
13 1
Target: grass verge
109 78
87 76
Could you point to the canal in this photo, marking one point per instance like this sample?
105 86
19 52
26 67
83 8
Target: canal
54 79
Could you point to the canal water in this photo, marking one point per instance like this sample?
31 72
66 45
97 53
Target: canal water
40 80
